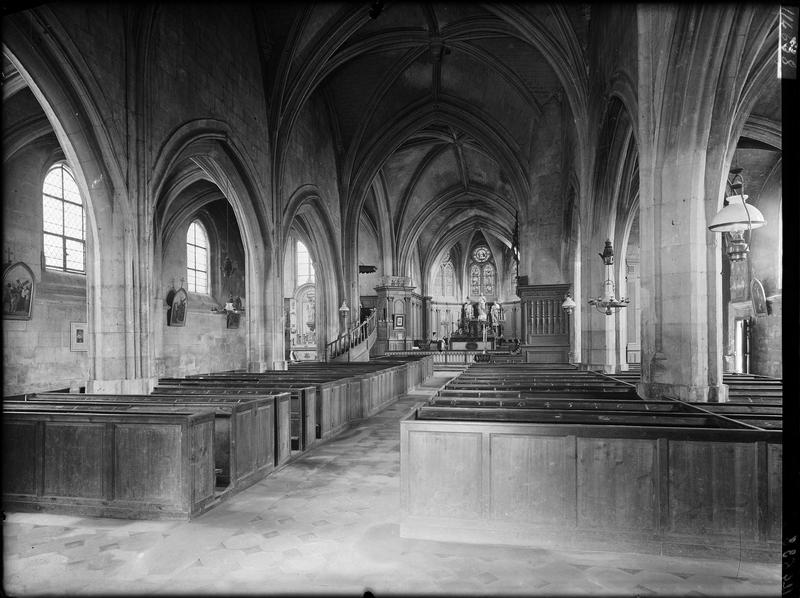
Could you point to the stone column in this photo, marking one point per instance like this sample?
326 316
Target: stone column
426 317
691 98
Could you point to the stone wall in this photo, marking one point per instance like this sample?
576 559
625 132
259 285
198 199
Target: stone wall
204 344
36 352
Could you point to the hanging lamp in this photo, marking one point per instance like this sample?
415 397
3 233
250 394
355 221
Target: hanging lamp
736 218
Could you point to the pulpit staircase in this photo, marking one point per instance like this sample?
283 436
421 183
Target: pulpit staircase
355 344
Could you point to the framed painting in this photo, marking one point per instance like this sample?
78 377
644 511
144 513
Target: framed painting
399 321
758 297
78 336
18 290
177 310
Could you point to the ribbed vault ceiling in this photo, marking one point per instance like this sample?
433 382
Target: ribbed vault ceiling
471 159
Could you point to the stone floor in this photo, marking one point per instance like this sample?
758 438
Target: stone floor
328 523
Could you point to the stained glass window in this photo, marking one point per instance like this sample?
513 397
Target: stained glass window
475 280
63 222
482 273
197 258
487 279
481 254
449 286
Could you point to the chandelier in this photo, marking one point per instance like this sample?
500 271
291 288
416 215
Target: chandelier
736 218
608 301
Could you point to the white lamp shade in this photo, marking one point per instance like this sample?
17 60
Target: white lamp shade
569 303
737 215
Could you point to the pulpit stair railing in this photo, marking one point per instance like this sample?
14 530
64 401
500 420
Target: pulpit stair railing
352 338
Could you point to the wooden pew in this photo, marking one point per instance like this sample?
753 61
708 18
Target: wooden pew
554 403
137 465
561 393
344 392
249 433
616 485
582 417
303 399
331 396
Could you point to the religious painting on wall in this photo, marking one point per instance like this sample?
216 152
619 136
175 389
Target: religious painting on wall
178 306
233 319
399 321
78 336
18 288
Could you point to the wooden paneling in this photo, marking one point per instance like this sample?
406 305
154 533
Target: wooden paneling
617 484
222 449
603 487
445 481
106 463
264 433
310 418
202 447
712 488
283 438
541 461
774 529
247 433
73 459
20 461
148 463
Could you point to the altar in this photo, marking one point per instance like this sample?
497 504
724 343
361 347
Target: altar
471 344
475 334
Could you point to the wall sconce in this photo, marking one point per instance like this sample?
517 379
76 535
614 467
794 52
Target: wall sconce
569 304
737 217
608 301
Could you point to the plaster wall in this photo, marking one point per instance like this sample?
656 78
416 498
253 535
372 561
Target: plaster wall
36 352
207 67
612 56
368 255
311 160
764 262
540 231
97 31
766 243
204 344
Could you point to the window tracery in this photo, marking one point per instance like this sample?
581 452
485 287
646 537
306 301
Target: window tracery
197 258
482 273
63 221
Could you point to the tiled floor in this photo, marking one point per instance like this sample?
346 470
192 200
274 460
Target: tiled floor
328 523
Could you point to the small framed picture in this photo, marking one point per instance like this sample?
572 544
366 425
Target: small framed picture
78 336
399 321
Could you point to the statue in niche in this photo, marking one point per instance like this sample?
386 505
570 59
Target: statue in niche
467 311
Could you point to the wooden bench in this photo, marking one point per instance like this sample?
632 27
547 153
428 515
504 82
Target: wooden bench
562 393
303 399
142 465
555 403
250 434
618 485
331 396
671 419
344 392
